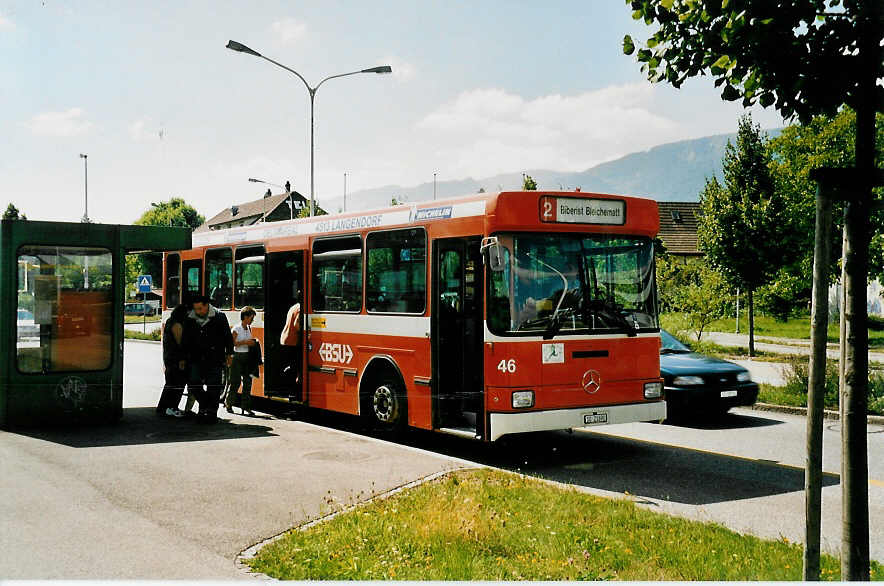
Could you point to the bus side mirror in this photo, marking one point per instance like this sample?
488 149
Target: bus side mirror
491 252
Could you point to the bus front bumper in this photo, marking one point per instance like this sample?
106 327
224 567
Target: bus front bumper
506 423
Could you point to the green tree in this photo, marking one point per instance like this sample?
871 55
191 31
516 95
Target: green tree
825 141
704 298
807 58
694 289
791 54
304 212
12 213
175 212
528 183
742 220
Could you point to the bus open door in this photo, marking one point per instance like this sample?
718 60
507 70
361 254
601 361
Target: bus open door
457 332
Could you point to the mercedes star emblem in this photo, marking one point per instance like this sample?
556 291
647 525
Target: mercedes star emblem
592 381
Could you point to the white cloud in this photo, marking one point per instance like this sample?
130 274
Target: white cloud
288 31
61 124
144 130
486 131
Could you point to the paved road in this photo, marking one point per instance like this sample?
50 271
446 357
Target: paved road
171 499
166 499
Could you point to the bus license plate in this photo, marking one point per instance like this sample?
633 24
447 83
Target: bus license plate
595 418
728 393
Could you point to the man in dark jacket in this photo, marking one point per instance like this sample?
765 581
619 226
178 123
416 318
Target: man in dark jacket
209 346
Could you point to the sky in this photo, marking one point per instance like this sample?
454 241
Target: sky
148 91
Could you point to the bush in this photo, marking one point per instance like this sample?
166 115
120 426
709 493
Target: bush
797 374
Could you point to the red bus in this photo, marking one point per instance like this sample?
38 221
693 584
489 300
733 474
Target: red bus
478 316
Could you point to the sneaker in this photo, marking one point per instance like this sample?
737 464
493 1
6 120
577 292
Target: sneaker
172 412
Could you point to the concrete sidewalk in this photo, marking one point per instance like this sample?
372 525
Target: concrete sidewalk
167 499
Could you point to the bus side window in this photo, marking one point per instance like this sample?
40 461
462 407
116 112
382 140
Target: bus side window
172 289
397 271
337 274
219 269
250 276
191 289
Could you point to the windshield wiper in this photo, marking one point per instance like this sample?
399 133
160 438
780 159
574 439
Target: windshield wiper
555 324
609 309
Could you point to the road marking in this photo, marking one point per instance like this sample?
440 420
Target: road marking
874 482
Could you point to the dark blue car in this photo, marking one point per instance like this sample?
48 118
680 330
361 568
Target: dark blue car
694 383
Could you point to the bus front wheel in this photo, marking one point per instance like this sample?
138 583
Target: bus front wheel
386 403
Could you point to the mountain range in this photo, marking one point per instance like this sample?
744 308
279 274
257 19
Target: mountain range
674 171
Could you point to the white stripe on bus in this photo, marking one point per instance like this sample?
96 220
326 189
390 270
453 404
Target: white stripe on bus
418 326
329 224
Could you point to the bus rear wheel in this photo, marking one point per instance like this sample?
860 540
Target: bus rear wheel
386 403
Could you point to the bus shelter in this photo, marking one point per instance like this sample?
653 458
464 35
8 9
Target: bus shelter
61 317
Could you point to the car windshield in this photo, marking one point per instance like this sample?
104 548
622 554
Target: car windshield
671 345
572 283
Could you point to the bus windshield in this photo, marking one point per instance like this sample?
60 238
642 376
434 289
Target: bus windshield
558 284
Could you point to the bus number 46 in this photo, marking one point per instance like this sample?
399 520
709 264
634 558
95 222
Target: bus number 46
507 366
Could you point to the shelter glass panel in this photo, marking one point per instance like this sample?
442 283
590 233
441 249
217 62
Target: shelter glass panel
65 309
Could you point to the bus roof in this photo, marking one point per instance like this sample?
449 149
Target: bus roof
563 211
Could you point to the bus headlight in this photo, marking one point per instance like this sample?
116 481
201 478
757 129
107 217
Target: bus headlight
653 390
523 399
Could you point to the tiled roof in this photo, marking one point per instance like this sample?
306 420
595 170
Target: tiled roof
678 226
250 209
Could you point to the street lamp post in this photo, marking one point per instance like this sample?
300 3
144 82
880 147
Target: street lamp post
85 218
235 46
291 211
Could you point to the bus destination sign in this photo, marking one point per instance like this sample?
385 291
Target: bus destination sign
572 210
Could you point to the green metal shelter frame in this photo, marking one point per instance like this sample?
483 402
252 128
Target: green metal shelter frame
61 317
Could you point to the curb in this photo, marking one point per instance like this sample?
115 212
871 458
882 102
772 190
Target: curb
252 551
827 414
139 340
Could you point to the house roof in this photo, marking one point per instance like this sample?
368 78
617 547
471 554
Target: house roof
250 209
678 226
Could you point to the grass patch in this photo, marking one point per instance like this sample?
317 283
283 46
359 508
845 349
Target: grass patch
494 525
137 319
134 335
781 396
765 326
